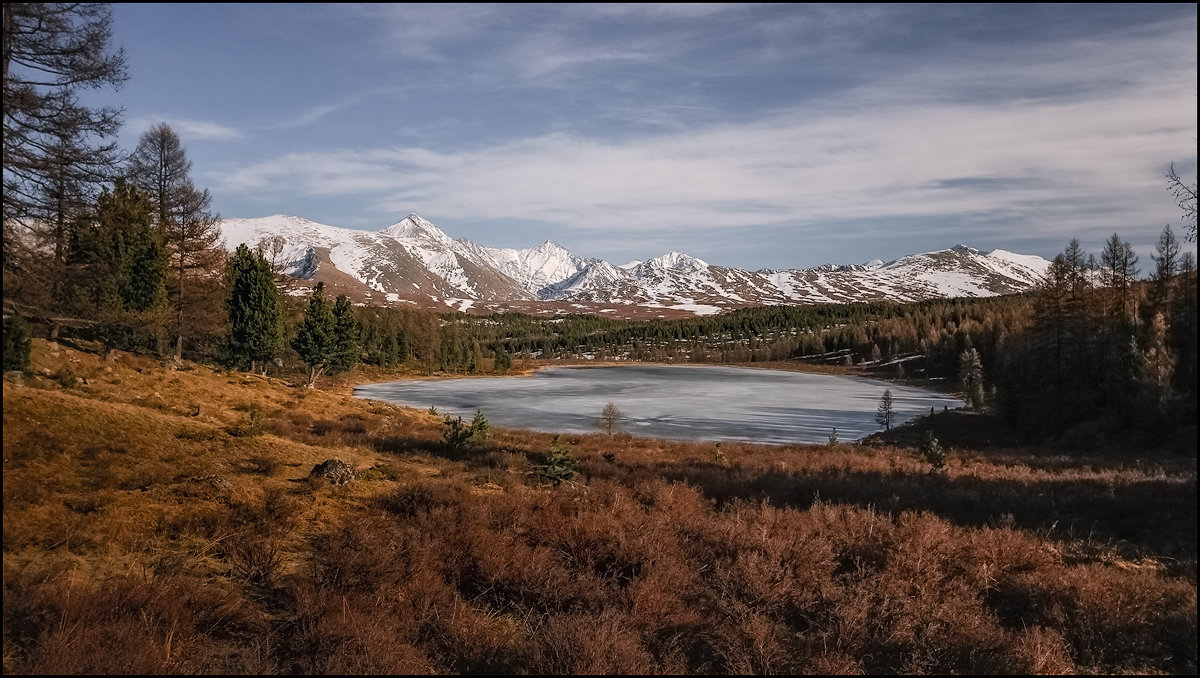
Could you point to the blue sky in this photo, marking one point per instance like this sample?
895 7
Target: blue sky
756 136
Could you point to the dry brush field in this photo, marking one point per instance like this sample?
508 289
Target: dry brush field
159 518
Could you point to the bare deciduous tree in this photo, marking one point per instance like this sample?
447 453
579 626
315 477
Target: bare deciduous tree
1186 197
610 418
273 245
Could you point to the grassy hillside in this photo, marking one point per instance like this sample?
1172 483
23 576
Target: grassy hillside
160 519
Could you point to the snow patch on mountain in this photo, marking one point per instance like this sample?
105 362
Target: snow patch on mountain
535 268
414 257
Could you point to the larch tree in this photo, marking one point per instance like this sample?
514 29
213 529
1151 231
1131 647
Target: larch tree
1114 265
886 410
57 152
1159 365
1166 265
970 374
255 310
160 166
1166 255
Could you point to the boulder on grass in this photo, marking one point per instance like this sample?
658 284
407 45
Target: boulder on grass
333 470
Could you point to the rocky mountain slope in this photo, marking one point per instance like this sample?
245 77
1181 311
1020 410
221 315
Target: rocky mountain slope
413 261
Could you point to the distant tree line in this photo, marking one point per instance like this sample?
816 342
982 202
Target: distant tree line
928 337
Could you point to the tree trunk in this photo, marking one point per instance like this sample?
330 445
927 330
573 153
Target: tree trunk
313 373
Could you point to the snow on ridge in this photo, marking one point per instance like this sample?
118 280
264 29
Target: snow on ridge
676 280
536 267
300 235
677 260
1037 265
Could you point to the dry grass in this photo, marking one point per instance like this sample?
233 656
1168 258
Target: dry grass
149 529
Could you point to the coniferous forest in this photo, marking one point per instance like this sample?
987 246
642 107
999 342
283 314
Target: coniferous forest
190 488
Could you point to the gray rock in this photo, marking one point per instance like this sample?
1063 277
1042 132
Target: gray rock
334 470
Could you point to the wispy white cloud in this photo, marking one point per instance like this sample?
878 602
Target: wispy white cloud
541 45
189 130
920 146
1060 136
430 31
319 112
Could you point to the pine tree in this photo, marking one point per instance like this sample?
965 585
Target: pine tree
932 451
16 343
315 339
145 278
503 360
117 254
116 266
346 332
481 429
255 312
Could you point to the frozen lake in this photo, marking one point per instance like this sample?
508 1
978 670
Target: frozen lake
671 401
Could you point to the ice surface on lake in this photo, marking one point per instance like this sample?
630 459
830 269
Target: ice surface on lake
672 401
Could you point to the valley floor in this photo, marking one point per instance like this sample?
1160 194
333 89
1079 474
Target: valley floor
160 518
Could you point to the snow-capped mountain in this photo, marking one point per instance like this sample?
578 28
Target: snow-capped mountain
414 261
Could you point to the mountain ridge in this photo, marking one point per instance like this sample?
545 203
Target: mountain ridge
413 261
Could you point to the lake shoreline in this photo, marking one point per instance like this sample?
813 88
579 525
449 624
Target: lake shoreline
710 403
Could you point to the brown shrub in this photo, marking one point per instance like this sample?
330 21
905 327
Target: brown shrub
576 644
1039 651
262 465
1123 619
336 633
128 625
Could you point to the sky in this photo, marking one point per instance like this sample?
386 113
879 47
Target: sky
754 136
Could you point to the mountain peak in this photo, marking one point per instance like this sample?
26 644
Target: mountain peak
416 227
678 260
549 246
414 261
